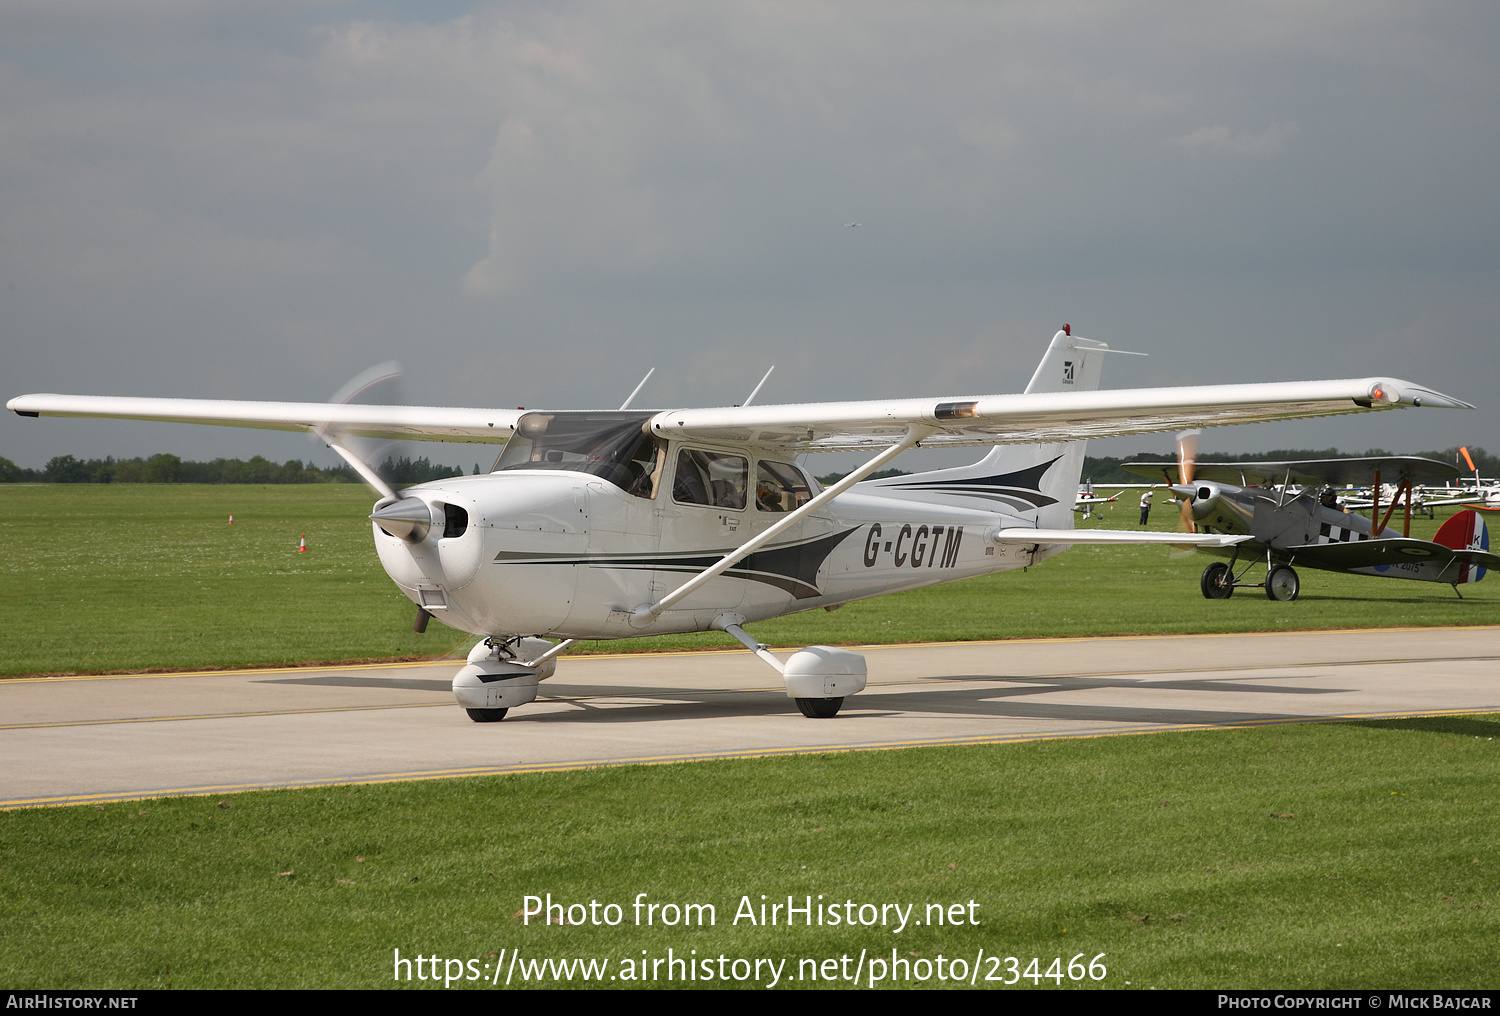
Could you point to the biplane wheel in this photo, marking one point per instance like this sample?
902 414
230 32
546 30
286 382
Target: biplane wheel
1282 584
819 708
486 715
1218 581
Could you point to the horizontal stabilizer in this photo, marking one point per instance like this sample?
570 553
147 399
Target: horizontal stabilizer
1079 537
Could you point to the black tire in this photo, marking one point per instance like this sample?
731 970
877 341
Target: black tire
1217 582
486 715
819 708
1282 584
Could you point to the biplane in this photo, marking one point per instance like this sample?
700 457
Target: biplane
1293 516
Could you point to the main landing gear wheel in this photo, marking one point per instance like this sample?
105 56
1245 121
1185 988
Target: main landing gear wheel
1282 584
486 715
1218 581
819 708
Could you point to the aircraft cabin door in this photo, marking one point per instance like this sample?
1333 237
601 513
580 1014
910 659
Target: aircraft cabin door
625 530
703 518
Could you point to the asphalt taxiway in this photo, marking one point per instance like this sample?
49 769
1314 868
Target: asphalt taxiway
93 739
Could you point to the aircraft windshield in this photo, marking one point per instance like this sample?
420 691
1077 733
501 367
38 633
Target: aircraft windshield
611 445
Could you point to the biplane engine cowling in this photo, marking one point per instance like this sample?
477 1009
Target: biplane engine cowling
1217 509
1205 500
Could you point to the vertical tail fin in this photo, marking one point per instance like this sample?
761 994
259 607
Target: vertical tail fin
1465 531
1071 364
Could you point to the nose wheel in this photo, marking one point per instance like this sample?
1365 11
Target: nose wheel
819 708
1282 584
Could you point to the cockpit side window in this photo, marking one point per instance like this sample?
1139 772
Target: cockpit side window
710 478
612 446
780 487
647 463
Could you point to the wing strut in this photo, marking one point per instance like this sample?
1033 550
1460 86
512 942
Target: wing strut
565 643
369 475
648 612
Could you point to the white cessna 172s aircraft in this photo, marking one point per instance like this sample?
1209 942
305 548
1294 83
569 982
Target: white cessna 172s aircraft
604 525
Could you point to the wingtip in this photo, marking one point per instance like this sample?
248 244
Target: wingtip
1427 398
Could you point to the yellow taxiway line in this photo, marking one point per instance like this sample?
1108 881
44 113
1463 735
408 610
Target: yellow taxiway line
557 767
670 653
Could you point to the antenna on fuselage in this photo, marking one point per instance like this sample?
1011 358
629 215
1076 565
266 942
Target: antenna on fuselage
758 387
628 401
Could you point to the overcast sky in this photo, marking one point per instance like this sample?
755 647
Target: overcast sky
532 204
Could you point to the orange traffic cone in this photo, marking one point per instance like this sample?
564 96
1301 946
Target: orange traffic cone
231 520
302 544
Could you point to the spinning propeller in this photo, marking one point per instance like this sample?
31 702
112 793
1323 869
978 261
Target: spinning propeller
1187 460
405 517
334 438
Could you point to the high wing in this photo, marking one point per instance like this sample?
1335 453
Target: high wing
1308 472
1040 416
418 423
826 426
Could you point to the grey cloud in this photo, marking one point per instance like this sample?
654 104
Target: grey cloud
261 200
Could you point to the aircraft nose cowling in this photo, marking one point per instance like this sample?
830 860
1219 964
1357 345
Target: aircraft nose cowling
428 541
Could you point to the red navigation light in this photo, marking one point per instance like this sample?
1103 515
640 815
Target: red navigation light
1067 329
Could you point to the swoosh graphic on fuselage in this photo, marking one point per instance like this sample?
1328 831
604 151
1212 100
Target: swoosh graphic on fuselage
793 567
1020 489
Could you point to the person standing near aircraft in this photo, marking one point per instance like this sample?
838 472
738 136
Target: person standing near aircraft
1145 507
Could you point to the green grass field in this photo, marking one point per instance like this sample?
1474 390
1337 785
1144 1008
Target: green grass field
1319 855
101 578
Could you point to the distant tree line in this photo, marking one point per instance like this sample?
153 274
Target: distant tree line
402 472
879 474
405 471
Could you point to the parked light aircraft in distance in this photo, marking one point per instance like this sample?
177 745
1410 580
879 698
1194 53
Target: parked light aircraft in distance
1085 502
1293 516
1483 494
604 525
